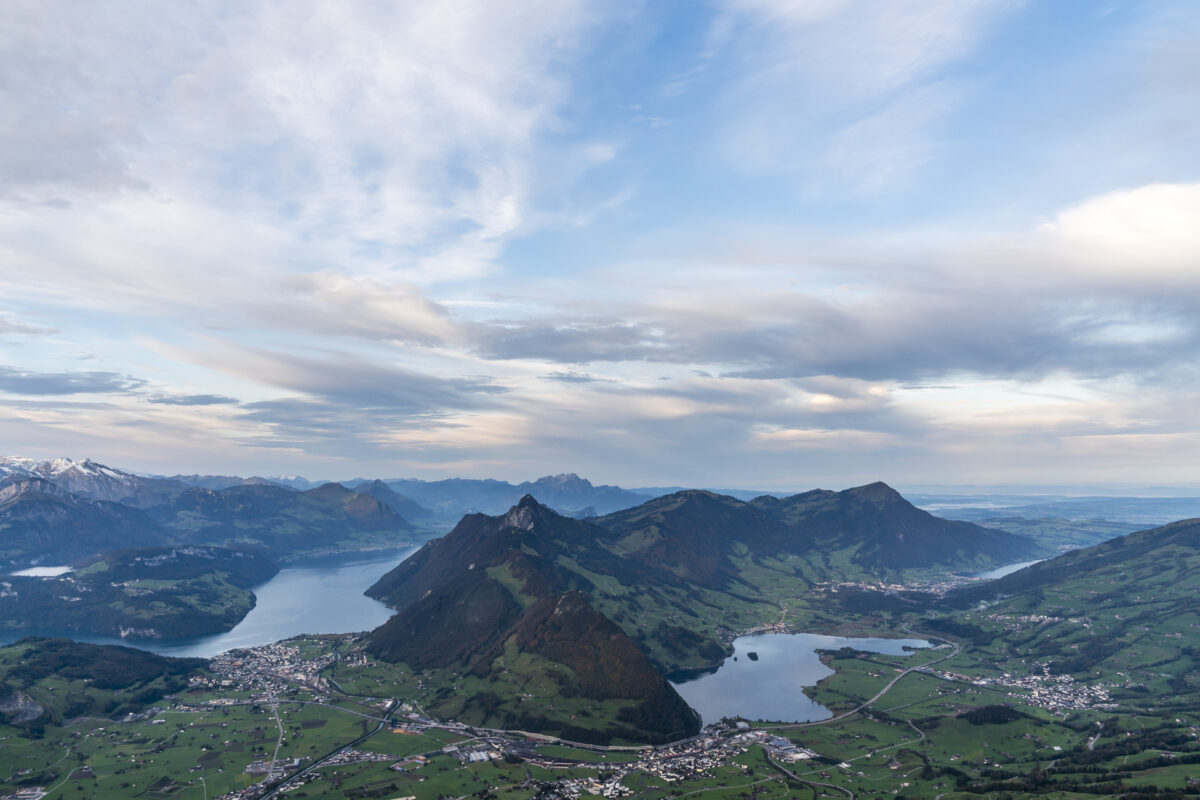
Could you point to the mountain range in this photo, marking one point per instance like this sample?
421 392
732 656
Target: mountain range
666 583
63 511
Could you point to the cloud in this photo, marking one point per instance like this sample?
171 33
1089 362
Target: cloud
23 382
349 381
572 377
1134 235
566 340
336 303
844 93
900 307
21 328
193 400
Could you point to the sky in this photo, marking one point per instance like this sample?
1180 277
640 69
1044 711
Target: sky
740 243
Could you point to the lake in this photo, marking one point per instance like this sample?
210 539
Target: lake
772 688
42 572
318 596
1007 569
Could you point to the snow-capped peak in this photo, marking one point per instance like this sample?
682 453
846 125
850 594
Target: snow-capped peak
85 477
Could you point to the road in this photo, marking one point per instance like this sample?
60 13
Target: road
956 647
274 791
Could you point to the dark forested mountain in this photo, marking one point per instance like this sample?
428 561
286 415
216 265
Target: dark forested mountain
871 528
495 597
41 522
678 570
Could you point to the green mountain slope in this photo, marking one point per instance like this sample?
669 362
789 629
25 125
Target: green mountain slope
491 601
1127 607
151 593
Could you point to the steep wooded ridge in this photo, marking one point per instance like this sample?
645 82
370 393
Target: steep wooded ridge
672 576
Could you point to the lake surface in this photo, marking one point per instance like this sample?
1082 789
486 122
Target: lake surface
772 688
1007 569
42 572
319 596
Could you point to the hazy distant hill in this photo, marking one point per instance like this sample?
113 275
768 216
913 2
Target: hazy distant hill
492 598
329 517
404 506
1140 511
50 512
217 482
567 493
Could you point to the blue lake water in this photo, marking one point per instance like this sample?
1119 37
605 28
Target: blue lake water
772 688
1007 569
324 596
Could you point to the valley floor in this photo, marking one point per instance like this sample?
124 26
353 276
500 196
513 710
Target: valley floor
316 718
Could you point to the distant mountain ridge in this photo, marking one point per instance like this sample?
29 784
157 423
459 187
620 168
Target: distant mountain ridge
90 479
59 512
566 492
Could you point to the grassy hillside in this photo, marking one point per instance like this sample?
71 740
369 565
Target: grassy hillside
45 681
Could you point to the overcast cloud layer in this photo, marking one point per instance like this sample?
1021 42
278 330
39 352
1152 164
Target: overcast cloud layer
753 243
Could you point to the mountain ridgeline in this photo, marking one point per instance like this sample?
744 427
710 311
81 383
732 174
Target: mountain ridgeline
65 512
664 583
